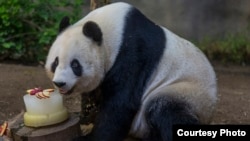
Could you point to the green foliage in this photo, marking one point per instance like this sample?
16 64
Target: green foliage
233 48
28 27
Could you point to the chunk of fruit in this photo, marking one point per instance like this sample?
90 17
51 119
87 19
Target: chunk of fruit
49 90
46 94
39 95
3 128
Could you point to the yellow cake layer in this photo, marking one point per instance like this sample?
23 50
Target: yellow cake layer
47 119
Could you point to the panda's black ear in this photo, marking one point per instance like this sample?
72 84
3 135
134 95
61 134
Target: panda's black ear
93 31
64 24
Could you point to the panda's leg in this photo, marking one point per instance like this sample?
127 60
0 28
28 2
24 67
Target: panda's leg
112 124
164 111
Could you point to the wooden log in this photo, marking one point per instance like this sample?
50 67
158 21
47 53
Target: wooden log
65 131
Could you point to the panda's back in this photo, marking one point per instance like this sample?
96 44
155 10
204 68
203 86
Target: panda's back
185 65
183 73
182 61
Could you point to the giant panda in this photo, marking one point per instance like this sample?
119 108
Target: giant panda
150 79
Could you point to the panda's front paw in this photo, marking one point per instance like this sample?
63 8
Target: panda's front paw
86 129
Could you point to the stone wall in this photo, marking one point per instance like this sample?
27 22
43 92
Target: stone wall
198 19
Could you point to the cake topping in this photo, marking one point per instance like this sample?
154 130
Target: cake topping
3 128
40 93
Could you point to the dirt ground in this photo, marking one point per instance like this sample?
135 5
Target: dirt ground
233 91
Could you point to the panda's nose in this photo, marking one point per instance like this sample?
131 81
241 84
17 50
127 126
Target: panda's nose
59 84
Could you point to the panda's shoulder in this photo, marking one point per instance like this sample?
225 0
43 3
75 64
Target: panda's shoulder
110 14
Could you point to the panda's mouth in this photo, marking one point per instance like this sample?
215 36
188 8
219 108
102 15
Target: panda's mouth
62 91
66 92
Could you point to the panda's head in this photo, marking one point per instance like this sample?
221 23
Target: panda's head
75 57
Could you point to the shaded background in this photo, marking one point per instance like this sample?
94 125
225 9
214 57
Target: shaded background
197 19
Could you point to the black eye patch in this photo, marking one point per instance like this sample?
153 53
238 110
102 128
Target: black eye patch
54 65
76 67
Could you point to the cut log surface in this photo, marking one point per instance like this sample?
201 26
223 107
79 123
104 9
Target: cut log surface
64 131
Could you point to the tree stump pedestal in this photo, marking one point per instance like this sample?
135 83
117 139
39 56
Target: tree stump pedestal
64 131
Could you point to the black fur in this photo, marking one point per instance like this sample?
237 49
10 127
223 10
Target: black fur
142 47
54 65
92 30
76 67
64 24
165 111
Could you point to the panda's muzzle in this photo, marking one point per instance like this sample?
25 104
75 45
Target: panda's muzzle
59 84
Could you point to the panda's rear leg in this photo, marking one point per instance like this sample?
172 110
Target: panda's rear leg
163 112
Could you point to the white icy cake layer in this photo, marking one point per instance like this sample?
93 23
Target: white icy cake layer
45 111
